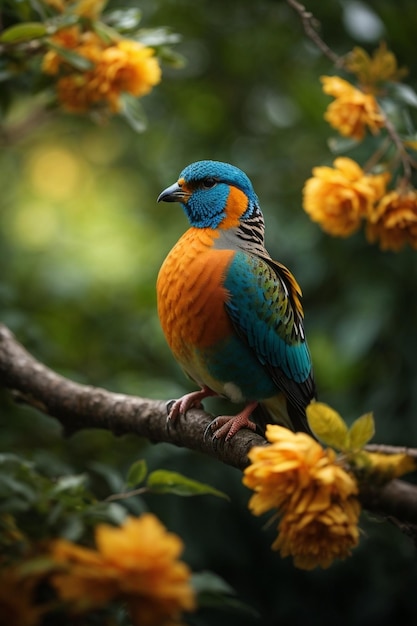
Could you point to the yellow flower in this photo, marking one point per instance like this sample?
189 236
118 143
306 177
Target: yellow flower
86 580
122 67
352 111
137 563
127 67
86 44
339 197
318 537
373 70
393 222
90 9
314 495
66 38
384 467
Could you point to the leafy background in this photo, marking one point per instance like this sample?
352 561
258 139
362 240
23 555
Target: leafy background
82 239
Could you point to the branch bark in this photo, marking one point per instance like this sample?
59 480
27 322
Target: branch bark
78 406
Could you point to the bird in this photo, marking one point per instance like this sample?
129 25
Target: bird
231 315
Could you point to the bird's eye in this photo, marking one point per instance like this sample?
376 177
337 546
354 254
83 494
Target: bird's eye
209 182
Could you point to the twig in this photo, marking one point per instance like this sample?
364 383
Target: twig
310 25
114 497
386 449
377 155
398 143
397 499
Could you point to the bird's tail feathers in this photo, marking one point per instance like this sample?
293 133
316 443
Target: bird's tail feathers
278 410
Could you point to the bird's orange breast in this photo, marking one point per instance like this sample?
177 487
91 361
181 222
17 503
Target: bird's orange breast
191 295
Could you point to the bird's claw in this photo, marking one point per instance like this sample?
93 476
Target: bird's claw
181 406
208 431
226 426
168 406
188 401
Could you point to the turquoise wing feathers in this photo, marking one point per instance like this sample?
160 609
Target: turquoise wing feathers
264 307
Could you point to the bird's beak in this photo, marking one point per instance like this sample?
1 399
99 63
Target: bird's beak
174 193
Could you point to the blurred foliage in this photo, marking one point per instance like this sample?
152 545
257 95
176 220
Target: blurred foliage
82 239
74 55
36 508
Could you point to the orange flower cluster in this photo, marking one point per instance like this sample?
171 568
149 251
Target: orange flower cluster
314 495
373 71
393 221
122 67
340 197
137 563
353 111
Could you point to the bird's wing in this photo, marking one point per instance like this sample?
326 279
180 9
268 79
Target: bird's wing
265 309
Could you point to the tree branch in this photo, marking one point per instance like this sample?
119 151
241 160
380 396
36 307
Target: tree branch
79 406
383 448
310 25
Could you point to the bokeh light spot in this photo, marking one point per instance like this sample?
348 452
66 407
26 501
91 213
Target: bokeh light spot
54 172
35 225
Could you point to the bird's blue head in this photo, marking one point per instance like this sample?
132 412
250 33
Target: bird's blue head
213 195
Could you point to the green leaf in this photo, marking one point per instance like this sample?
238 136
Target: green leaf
172 58
37 5
361 431
23 9
37 566
106 33
209 582
115 513
327 425
13 459
164 481
64 20
15 493
133 112
69 483
157 36
124 20
105 512
340 145
72 528
74 59
213 591
136 473
403 93
23 32
113 479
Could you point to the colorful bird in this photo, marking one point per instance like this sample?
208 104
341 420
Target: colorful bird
232 315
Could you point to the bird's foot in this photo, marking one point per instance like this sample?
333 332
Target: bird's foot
226 426
189 401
